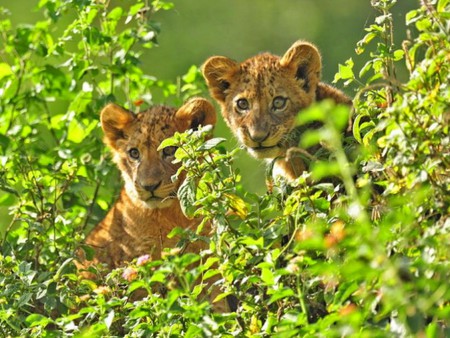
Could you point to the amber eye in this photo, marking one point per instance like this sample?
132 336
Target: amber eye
279 103
134 153
242 105
169 151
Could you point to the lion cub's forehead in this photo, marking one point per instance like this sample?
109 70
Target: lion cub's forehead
264 63
154 125
261 73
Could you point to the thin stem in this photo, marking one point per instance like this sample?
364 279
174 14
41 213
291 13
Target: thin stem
301 297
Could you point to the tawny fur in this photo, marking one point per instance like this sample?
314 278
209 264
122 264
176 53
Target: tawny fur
147 209
275 89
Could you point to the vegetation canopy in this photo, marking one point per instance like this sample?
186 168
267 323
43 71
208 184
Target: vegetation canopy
356 246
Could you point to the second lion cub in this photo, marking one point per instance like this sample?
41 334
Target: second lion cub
261 97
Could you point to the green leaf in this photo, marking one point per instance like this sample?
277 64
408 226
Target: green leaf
169 142
345 72
135 8
186 195
311 114
5 70
280 294
137 284
37 320
411 16
109 319
237 205
193 332
210 273
398 55
310 138
91 15
176 232
212 143
442 4
4 141
115 14
339 115
365 68
189 258
324 169
267 276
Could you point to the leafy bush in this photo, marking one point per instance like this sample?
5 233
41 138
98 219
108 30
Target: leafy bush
358 246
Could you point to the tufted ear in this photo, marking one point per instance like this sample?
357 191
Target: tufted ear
303 60
114 121
193 113
218 72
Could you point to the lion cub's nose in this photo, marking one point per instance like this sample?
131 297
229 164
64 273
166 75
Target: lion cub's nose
258 136
151 187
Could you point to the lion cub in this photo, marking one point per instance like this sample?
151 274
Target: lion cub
261 97
147 209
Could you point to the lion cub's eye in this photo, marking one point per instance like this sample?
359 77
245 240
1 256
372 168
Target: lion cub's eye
279 103
134 153
169 151
242 104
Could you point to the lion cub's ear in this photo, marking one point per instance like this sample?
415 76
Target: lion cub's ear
115 120
219 72
195 112
303 60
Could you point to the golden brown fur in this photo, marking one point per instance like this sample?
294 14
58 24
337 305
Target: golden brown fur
147 209
261 97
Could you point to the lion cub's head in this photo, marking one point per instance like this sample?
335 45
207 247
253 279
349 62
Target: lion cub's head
134 140
261 96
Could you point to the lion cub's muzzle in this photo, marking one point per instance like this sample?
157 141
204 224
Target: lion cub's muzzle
260 144
156 195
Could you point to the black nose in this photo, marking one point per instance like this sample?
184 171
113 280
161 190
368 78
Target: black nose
152 187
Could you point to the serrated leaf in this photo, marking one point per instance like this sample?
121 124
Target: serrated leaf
186 195
168 142
212 143
345 72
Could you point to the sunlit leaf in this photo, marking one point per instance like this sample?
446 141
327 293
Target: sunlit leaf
5 70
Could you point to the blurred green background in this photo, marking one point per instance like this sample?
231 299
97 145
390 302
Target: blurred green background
195 30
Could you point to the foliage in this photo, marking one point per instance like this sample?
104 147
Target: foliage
358 246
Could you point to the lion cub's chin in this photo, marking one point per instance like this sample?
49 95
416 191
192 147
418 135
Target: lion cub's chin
158 203
266 152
